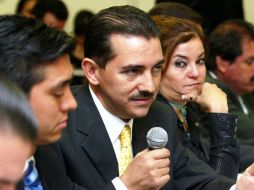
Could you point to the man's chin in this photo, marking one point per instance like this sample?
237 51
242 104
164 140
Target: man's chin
140 113
49 140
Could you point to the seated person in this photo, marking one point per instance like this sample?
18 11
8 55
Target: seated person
123 63
24 7
80 26
36 57
231 66
17 133
53 13
183 76
179 10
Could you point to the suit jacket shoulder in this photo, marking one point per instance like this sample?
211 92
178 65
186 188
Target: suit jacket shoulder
52 174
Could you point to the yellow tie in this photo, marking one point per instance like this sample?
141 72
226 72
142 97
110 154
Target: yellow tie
125 149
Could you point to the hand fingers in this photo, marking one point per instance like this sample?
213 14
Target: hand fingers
160 153
162 176
250 170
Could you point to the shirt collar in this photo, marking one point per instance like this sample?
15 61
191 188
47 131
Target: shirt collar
114 125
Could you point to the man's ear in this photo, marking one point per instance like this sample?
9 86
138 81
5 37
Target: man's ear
90 69
222 64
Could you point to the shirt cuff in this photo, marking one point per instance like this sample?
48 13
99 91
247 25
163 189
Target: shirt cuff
119 185
233 187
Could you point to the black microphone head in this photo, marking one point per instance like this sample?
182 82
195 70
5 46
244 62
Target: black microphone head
157 138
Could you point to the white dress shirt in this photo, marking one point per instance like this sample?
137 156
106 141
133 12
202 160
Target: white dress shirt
114 126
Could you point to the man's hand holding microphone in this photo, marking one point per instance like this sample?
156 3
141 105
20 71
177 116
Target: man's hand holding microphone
149 169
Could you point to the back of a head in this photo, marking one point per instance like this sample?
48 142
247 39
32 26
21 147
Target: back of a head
15 114
226 40
24 7
27 46
177 10
174 31
20 6
81 21
123 20
56 7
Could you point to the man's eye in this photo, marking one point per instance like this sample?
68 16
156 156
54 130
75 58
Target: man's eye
158 67
58 94
132 71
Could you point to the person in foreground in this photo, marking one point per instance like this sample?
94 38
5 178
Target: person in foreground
17 133
36 57
182 86
123 66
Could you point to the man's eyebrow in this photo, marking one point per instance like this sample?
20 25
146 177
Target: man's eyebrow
160 62
6 181
61 83
131 66
137 66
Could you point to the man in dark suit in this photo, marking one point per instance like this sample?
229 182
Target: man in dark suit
231 67
123 67
36 58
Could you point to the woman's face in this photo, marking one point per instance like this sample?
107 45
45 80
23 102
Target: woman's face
186 71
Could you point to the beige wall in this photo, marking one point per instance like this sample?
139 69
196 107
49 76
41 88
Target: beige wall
8 6
95 6
248 6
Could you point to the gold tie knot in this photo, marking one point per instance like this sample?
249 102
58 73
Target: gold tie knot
125 149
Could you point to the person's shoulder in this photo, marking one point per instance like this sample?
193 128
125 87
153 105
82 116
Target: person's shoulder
161 110
81 93
78 89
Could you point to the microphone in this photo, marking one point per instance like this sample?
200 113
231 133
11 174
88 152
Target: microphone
157 138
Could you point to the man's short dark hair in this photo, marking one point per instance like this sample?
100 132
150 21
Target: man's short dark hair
15 113
123 20
20 6
226 40
56 7
27 46
81 21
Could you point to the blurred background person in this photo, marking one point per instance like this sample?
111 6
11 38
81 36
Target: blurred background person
231 67
24 7
182 86
53 13
17 133
213 12
81 21
80 26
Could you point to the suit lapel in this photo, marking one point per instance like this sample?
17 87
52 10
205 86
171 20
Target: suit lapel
43 182
95 140
140 128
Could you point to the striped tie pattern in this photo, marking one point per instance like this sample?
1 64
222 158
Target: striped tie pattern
125 149
31 179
